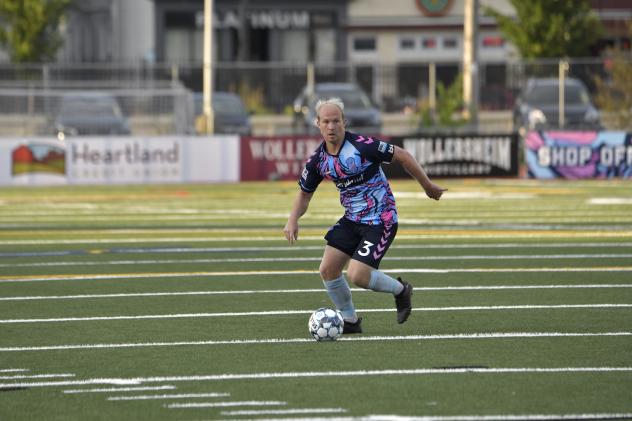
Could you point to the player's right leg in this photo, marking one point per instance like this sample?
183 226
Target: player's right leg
331 267
341 243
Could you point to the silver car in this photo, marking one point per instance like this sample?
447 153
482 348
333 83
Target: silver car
90 113
361 115
537 108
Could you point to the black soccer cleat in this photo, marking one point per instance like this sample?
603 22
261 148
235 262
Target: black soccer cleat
350 328
402 302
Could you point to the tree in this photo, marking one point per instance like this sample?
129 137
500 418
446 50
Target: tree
614 90
449 105
550 28
29 28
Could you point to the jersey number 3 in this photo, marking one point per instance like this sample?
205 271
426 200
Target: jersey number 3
366 249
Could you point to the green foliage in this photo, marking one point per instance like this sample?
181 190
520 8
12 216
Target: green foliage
29 28
253 97
550 28
614 91
450 102
449 106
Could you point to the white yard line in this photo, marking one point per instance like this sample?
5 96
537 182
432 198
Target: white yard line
464 336
84 277
224 404
320 374
14 370
304 291
522 417
317 259
168 396
291 312
295 248
284 411
120 389
500 417
36 376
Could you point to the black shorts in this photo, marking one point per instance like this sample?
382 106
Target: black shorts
365 243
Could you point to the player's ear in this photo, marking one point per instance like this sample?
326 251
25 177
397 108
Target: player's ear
316 122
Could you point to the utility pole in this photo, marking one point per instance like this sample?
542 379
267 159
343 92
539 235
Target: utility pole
470 62
207 98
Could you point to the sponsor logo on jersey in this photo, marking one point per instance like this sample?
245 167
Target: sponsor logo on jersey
383 147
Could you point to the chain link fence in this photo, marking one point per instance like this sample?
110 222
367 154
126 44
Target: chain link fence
156 98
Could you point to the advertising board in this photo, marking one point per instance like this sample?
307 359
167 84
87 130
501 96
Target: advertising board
573 154
461 155
275 157
119 160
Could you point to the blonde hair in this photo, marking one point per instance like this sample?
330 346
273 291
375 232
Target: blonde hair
330 101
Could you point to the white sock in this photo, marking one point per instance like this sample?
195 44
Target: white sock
340 294
381 282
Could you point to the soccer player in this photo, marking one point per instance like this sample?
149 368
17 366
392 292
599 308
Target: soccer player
362 236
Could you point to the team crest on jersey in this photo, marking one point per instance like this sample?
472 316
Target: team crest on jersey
383 147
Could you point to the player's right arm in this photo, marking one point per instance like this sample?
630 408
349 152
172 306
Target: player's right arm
301 203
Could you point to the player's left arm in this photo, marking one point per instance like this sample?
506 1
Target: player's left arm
412 167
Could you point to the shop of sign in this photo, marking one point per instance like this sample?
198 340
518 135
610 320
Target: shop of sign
271 19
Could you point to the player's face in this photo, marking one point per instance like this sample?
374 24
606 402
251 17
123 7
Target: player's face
331 123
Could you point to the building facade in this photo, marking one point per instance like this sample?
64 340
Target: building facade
253 30
296 30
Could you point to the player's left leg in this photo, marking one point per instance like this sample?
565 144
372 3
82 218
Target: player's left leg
365 260
363 268
368 277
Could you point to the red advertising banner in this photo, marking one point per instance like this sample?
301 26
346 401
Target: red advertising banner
275 157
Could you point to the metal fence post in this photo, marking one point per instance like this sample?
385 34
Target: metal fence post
562 69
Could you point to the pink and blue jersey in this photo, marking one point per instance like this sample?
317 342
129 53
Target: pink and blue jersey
356 170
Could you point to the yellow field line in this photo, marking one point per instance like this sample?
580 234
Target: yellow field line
297 272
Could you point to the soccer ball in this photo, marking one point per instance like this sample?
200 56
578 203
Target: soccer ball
325 324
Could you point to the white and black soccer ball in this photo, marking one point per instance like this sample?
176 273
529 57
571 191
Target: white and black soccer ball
326 324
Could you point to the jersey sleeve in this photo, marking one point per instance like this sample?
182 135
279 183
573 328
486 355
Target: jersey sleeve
310 177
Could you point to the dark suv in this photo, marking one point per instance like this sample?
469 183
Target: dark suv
537 107
360 113
90 113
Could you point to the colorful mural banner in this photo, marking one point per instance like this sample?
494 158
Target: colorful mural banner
575 154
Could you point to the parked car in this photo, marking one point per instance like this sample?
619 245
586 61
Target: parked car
89 113
538 106
230 114
360 113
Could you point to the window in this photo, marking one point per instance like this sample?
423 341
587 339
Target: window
493 41
407 44
325 45
450 43
364 44
294 46
428 43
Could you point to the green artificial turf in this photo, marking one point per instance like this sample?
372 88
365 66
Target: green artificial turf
139 302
